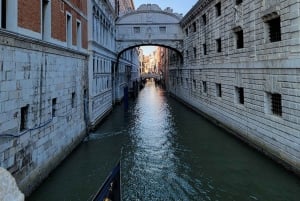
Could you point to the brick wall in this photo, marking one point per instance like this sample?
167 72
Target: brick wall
29 15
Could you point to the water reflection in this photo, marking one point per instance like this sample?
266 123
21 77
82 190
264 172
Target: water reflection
151 167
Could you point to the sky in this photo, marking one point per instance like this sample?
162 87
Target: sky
178 6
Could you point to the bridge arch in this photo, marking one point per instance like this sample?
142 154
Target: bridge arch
149 25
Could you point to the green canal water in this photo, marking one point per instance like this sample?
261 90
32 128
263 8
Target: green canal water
168 152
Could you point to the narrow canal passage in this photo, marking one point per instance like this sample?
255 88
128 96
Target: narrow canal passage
168 152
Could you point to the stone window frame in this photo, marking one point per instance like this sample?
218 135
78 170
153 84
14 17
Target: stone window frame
219 90
24 111
268 20
218 45
54 107
239 95
73 99
204 86
194 26
238 42
46 19
273 103
163 29
78 34
204 19
218 9
136 30
204 46
69 29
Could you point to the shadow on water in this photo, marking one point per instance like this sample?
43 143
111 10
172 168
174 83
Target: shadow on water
168 153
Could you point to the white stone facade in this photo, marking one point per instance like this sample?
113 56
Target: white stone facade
149 25
42 89
102 59
249 85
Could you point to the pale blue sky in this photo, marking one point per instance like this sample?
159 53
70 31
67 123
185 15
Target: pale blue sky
178 6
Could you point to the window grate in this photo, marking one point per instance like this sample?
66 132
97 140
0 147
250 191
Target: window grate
274 30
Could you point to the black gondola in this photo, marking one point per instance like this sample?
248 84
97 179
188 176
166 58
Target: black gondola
111 188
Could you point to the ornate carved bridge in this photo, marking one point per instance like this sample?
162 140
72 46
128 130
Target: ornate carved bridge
149 25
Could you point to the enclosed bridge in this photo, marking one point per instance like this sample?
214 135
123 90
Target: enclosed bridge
149 25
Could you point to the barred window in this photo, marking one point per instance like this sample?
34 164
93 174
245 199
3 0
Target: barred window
274 29
195 52
136 29
194 84
276 104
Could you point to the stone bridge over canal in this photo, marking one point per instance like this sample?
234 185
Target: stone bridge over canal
149 25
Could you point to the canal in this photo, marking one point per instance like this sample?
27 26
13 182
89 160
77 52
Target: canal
168 152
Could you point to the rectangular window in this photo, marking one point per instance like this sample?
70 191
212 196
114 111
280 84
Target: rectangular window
218 45
204 19
69 30
218 9
274 30
194 27
187 32
204 49
3 13
194 84
195 52
136 29
78 34
218 90
239 92
73 100
204 86
46 20
24 118
54 105
238 2
239 35
162 29
276 104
